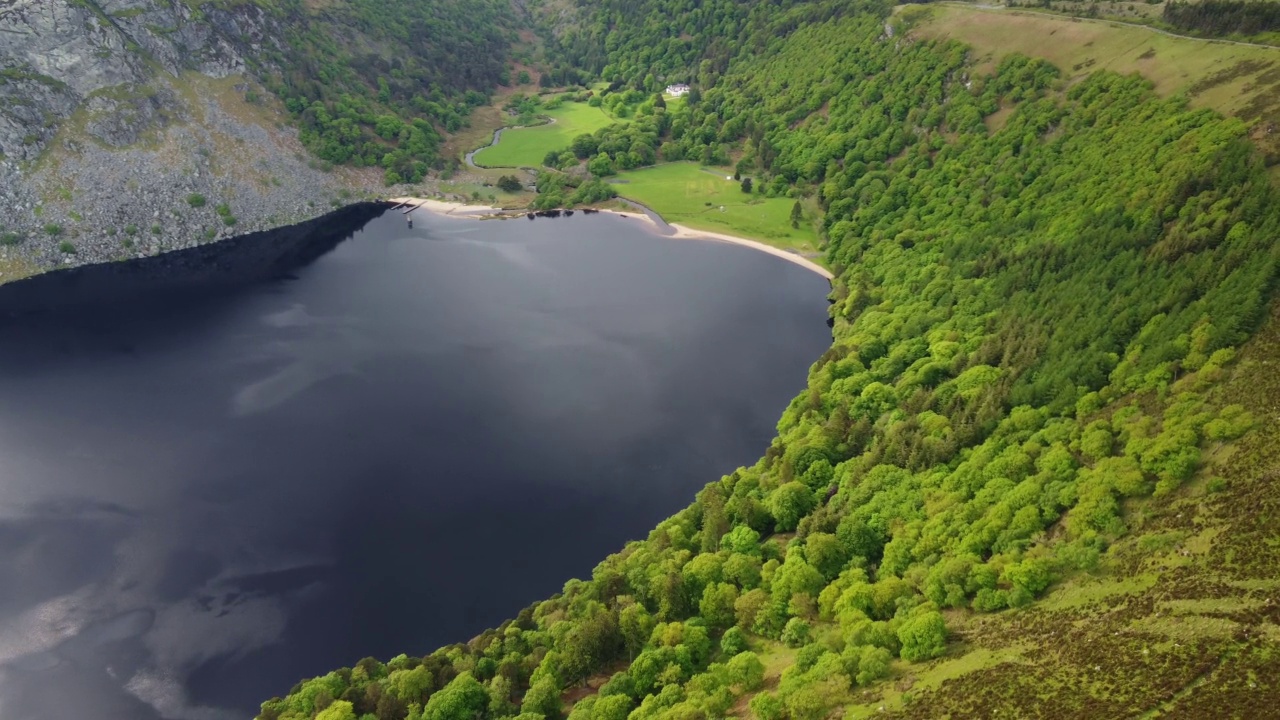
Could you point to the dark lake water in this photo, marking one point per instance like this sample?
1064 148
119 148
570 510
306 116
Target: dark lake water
204 500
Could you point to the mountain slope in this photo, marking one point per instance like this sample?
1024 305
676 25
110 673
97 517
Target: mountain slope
130 127
1024 480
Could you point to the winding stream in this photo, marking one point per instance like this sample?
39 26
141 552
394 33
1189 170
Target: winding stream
497 136
470 157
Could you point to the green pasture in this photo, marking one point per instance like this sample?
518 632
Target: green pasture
703 199
526 147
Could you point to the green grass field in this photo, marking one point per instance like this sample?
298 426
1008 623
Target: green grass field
525 147
687 194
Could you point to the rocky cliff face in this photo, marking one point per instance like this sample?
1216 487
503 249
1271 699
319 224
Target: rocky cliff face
130 127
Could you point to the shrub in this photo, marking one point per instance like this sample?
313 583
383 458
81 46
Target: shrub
733 642
53 229
745 669
66 248
10 238
923 637
229 220
196 200
155 229
130 229
873 664
767 706
796 633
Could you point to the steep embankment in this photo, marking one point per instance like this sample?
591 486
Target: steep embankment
124 126
130 127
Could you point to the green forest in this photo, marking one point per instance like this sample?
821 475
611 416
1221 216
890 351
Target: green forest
1036 322
377 83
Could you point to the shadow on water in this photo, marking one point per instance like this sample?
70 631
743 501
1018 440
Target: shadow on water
241 260
215 482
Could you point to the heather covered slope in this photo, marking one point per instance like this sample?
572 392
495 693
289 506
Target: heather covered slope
1031 474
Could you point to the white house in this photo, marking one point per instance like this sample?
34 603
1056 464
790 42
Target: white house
679 90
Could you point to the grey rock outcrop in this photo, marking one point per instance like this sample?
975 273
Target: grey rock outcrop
131 127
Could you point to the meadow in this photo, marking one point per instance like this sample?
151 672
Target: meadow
525 147
704 199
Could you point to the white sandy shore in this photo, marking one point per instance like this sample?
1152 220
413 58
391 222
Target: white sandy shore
687 232
457 209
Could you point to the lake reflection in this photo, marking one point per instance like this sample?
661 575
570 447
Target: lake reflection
203 500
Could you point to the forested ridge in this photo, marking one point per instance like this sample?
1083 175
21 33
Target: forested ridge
377 83
1036 329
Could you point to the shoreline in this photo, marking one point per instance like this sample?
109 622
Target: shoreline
682 232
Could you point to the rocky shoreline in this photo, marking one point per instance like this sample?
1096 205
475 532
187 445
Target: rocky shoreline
131 128
238 260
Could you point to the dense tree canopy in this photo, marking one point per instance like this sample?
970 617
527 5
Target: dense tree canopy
1026 320
375 83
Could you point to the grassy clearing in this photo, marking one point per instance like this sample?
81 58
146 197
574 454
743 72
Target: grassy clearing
479 192
525 147
1235 80
686 194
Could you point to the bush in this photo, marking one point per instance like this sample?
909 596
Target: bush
733 642
53 229
155 229
66 248
229 220
796 633
873 664
10 238
745 669
767 706
923 637
130 229
196 200
510 183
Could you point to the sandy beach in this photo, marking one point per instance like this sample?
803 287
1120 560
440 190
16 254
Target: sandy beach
688 232
457 209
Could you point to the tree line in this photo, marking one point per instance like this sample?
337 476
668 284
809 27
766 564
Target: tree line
1224 17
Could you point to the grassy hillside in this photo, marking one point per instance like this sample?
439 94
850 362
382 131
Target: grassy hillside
703 198
1032 475
526 147
1237 80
